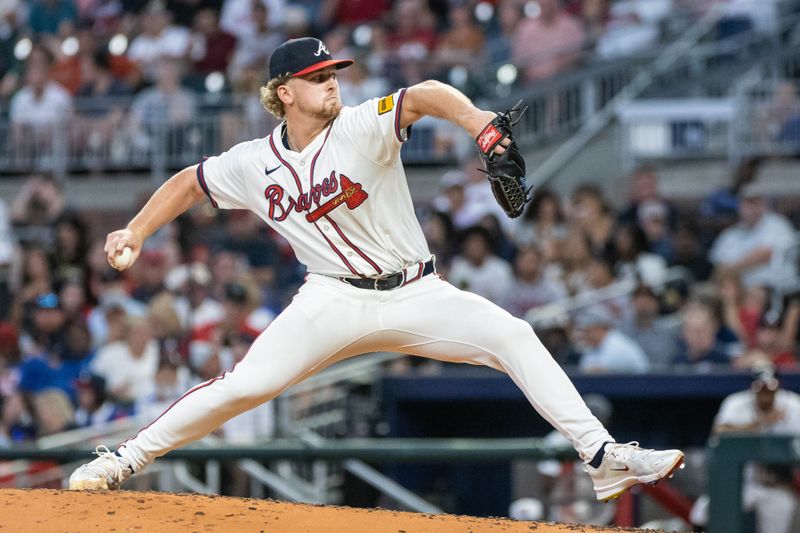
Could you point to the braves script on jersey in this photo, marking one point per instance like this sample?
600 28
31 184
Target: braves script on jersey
342 203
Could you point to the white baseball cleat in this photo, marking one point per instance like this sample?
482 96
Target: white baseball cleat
106 472
625 465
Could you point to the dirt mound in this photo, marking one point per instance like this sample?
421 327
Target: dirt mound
43 511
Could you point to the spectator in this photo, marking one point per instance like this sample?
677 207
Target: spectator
94 406
352 12
634 262
742 308
52 412
720 209
530 288
194 305
171 380
254 49
170 335
148 279
114 305
463 43
595 15
100 113
608 350
129 366
244 235
548 44
602 284
36 280
38 108
412 39
499 44
770 347
207 360
39 203
758 246
441 236
644 187
543 224
71 247
210 47
657 335
698 345
591 214
44 368
51 16
47 330
358 85
159 39
244 314
653 218
165 110
689 253
238 17
575 260
477 270
765 409
627 31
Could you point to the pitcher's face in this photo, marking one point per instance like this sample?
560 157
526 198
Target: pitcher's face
317 94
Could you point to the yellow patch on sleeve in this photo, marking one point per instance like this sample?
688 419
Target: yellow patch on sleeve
385 104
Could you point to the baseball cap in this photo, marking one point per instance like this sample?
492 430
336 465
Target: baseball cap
47 301
302 56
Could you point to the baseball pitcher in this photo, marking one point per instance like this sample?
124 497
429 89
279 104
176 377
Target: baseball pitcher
330 180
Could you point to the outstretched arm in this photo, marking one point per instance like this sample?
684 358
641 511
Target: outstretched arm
443 101
175 196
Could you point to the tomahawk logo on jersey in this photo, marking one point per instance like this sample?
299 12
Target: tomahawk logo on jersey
324 199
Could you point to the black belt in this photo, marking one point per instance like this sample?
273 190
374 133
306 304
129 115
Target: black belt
392 281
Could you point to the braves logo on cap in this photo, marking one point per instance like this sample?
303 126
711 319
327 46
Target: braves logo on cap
321 49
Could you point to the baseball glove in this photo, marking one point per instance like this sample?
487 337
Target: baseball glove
506 171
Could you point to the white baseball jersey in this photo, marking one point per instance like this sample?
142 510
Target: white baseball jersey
342 203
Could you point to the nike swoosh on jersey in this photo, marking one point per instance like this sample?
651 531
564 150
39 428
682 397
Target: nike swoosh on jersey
268 171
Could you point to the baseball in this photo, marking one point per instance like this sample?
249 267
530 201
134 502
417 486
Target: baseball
124 258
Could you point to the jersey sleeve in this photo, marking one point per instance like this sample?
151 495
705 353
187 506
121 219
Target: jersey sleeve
222 178
374 127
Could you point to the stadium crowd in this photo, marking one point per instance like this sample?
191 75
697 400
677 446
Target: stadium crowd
635 289
81 343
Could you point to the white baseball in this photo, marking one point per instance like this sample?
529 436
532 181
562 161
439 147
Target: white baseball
124 258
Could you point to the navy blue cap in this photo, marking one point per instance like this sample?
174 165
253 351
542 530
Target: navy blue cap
302 56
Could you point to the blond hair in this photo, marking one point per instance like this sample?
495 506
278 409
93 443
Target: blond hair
269 96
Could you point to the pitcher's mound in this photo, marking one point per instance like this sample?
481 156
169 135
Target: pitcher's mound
43 511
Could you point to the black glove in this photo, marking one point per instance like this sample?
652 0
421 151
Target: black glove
506 171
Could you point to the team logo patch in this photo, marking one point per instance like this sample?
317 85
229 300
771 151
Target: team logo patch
385 104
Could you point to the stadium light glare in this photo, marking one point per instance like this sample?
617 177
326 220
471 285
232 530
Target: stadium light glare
484 11
70 46
362 35
215 82
458 76
507 74
118 44
23 49
532 10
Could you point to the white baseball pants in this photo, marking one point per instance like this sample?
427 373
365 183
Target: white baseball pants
330 320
